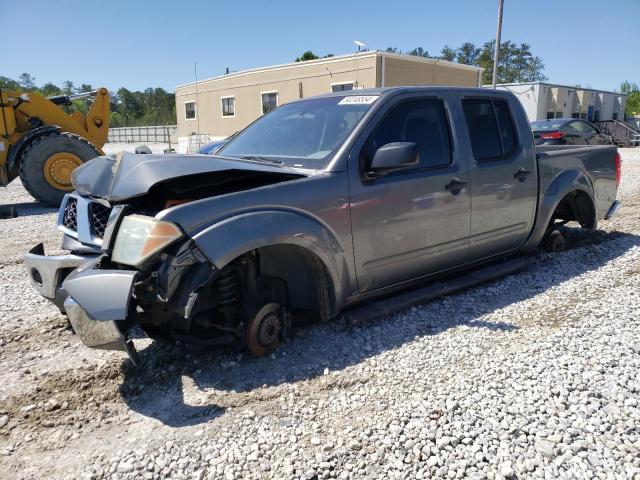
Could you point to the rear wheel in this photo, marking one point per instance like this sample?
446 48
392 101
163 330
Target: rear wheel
47 163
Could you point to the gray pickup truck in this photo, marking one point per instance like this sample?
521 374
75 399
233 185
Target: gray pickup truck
321 206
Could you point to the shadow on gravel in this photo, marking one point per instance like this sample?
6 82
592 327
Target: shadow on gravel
28 209
230 379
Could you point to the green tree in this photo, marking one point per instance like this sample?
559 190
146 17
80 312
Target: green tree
418 52
308 55
392 50
467 54
633 98
516 63
153 106
49 90
27 81
9 83
68 88
448 53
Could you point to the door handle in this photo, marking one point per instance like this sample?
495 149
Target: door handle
522 174
455 185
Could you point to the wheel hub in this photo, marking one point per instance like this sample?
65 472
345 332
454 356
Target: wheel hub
58 168
269 330
264 331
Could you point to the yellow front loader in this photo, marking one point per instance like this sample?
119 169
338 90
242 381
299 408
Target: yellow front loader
42 144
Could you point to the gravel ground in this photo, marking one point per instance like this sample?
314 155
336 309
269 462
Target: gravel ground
534 375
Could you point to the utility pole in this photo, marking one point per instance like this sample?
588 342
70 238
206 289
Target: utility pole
496 53
195 74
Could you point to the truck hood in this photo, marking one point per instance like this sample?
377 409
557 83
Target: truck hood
129 175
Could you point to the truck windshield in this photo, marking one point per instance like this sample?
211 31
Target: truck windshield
302 134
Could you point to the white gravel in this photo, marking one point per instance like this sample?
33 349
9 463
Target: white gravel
534 375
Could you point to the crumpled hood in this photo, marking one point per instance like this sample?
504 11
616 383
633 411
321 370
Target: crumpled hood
130 175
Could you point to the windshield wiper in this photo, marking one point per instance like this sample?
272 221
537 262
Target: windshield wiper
257 158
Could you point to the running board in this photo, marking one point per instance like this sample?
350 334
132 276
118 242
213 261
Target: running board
403 301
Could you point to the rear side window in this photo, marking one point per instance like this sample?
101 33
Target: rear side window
483 129
423 122
490 128
507 132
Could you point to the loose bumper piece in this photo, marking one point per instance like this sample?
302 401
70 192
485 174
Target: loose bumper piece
98 304
93 333
47 272
103 294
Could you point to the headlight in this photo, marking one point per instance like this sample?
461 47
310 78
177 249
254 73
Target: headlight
139 237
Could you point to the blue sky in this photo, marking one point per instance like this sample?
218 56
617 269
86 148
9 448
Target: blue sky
140 44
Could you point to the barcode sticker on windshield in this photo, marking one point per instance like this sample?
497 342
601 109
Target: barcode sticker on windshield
358 99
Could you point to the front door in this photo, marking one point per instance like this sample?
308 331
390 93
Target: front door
414 222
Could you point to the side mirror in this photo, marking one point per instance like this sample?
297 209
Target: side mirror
393 157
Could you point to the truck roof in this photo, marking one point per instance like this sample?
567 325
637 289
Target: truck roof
408 89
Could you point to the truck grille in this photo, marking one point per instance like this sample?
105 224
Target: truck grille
99 215
83 219
70 215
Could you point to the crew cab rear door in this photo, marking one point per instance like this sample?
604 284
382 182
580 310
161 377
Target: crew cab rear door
412 222
503 174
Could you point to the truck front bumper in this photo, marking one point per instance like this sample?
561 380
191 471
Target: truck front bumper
47 273
98 305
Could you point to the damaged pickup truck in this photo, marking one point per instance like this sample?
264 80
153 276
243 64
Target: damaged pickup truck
322 205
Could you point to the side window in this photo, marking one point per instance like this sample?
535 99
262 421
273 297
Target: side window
568 128
483 129
588 128
423 122
505 124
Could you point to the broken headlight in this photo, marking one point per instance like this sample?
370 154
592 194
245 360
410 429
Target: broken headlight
140 237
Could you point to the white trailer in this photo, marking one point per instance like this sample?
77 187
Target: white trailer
543 101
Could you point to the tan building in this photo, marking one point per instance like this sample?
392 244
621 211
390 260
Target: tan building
217 107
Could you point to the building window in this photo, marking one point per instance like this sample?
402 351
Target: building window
269 101
341 87
190 110
228 106
550 115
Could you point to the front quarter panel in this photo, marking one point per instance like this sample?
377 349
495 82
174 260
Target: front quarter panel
235 236
310 212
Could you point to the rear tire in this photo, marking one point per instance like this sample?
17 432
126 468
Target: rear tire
47 163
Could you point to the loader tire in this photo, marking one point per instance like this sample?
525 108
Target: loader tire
47 163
